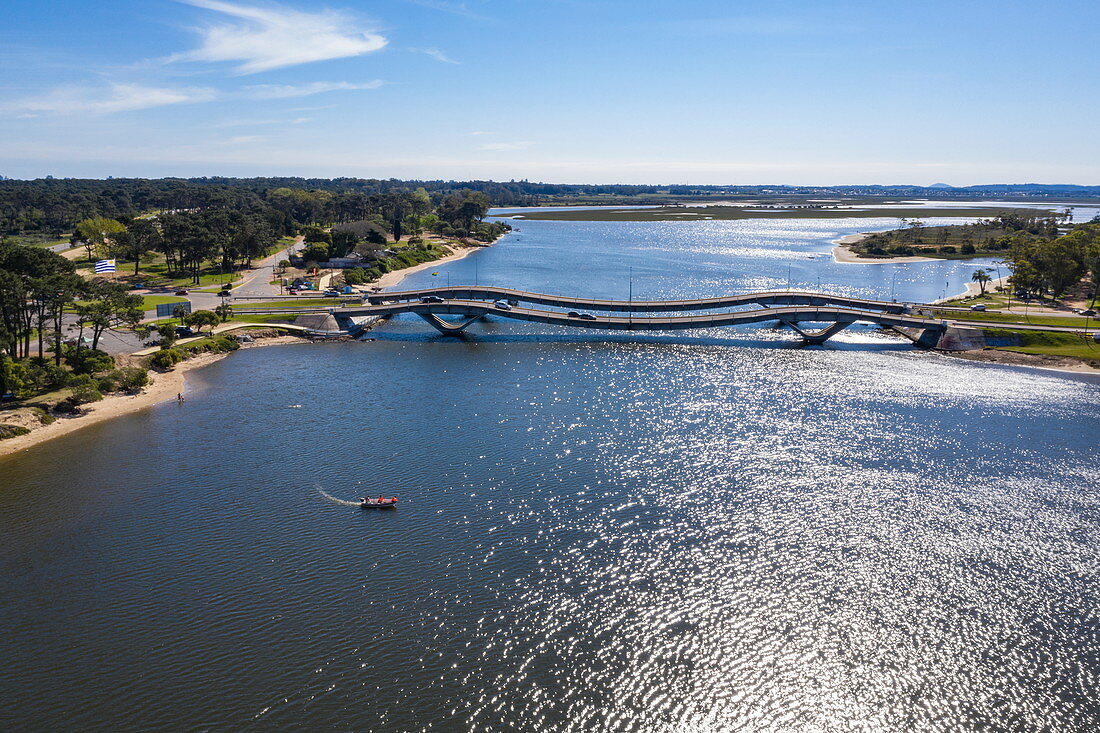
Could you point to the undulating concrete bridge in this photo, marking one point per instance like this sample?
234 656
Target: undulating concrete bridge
791 308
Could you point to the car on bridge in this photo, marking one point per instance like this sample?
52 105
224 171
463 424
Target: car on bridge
503 305
572 314
431 299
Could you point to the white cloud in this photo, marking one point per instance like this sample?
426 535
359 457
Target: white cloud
102 101
436 54
286 91
273 37
503 147
480 132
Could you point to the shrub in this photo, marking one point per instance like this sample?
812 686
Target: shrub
354 276
165 359
108 382
968 249
85 390
132 379
12 431
93 361
65 408
947 249
43 417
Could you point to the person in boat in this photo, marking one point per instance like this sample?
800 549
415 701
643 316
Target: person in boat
381 499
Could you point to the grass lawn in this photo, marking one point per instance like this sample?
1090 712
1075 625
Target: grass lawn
1034 320
1053 344
263 318
149 302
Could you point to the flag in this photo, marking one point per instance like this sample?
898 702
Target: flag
434 274
104 266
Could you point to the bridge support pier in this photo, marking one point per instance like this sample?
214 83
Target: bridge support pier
446 327
818 337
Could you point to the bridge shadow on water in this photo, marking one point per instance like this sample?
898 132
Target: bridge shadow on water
768 337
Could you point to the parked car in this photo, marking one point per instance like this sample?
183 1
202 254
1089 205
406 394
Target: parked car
330 293
292 291
224 294
431 299
137 286
181 291
7 397
587 316
153 342
978 307
503 305
183 332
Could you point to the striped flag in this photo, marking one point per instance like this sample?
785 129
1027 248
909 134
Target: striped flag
104 266
435 274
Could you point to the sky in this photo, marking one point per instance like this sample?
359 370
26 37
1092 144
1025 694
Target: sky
574 91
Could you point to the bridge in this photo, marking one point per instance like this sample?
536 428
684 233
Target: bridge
791 308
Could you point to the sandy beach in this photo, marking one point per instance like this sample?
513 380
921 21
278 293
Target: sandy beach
391 279
165 386
973 289
843 254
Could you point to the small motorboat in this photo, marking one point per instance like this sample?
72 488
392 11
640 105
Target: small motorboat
380 503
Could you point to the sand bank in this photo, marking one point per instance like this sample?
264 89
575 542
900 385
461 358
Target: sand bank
842 253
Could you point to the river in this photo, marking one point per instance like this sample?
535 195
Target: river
713 530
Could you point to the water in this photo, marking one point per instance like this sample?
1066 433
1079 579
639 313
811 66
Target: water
682 532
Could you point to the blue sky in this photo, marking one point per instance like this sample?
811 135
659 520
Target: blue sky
781 91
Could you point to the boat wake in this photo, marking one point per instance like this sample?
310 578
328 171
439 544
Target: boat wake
333 499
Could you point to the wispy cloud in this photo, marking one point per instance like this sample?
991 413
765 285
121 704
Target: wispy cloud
274 36
481 132
503 147
455 8
109 100
436 54
287 91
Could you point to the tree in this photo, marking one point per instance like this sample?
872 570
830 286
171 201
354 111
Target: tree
109 307
980 276
142 236
167 333
96 233
201 318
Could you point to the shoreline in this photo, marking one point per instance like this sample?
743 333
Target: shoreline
843 254
165 386
391 279
973 289
1060 364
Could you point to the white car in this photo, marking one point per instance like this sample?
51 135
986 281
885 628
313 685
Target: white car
502 304
978 307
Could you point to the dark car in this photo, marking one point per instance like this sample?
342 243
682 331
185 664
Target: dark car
184 332
1088 312
181 291
572 314
431 299
587 316
224 294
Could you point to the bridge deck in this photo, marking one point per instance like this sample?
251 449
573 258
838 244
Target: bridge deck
794 314
775 297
